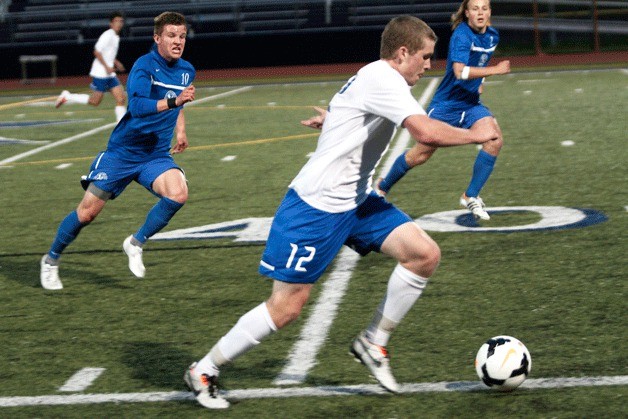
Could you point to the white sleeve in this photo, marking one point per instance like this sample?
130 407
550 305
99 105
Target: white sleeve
103 41
392 99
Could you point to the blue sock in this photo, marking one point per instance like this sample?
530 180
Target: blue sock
482 169
67 232
397 171
157 218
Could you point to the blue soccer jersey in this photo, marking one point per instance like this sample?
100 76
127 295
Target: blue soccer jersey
474 50
144 133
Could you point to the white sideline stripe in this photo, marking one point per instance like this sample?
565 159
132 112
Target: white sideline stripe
219 95
110 125
57 143
303 355
323 391
82 379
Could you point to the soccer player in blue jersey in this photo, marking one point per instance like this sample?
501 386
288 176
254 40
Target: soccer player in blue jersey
139 148
331 203
457 100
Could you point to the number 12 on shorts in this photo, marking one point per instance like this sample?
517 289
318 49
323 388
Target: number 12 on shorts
302 259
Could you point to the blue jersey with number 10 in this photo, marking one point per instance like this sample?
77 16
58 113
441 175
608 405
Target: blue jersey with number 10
144 134
474 50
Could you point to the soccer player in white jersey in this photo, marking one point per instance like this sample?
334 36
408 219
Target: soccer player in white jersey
103 71
457 100
331 203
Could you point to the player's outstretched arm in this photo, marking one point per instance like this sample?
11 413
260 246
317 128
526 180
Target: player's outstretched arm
435 133
316 121
463 72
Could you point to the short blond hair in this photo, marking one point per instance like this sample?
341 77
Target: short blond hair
408 31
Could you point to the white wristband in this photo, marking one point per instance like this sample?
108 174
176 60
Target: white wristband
465 72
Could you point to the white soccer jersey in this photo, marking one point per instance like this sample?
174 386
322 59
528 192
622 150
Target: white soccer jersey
360 122
107 45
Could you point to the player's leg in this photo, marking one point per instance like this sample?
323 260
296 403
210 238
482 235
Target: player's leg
482 168
415 156
90 206
120 97
392 232
167 181
294 270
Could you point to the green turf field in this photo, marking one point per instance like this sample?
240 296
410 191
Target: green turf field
561 291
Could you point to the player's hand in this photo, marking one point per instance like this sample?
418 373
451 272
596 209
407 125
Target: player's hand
485 130
316 122
182 143
187 95
503 67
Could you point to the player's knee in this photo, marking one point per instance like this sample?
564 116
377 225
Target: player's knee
86 215
180 196
425 261
416 159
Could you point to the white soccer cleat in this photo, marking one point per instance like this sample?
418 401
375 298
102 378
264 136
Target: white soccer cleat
63 97
377 360
205 388
49 275
476 206
135 258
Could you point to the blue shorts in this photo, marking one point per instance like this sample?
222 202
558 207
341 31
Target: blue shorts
303 240
462 118
104 84
112 174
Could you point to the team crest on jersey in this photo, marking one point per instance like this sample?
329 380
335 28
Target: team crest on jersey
483 60
170 94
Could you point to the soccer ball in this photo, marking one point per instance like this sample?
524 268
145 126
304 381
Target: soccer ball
503 363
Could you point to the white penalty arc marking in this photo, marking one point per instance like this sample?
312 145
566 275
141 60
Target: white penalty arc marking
82 379
303 355
323 391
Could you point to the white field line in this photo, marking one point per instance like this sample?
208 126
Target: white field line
110 125
82 379
323 391
303 355
57 143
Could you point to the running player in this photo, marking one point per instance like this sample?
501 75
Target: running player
103 71
331 203
139 148
457 100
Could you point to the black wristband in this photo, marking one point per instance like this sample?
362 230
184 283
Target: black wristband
172 102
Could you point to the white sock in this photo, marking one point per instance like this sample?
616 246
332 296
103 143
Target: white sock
120 111
404 288
247 333
81 98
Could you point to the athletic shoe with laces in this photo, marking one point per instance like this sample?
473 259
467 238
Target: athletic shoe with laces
475 205
135 257
63 97
205 388
377 360
49 275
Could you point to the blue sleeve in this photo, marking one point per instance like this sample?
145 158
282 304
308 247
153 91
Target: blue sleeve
459 47
139 88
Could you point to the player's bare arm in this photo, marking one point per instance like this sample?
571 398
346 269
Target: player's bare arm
180 135
503 67
316 121
435 133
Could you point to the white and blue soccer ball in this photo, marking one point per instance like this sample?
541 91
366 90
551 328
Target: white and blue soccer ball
503 363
